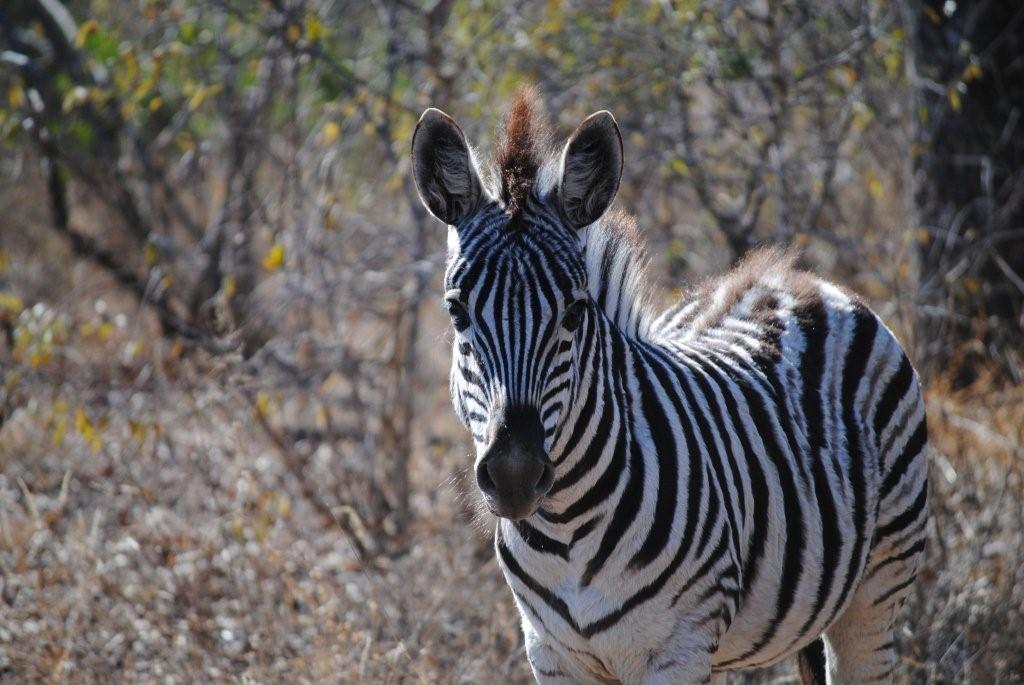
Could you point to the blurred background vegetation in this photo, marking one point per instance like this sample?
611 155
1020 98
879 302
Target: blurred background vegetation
226 449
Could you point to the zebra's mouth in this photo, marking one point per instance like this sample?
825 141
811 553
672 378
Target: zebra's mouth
512 513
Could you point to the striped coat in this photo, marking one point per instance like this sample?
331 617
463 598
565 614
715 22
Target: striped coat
737 479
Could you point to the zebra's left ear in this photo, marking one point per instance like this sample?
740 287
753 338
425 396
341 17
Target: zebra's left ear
591 169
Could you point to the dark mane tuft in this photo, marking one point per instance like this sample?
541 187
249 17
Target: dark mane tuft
522 148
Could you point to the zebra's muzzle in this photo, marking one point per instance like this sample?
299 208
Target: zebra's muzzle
515 473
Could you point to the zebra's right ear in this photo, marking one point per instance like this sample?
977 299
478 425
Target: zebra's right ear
443 168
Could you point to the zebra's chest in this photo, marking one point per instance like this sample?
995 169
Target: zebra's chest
597 623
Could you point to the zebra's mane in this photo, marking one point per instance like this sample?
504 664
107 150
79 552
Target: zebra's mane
617 271
523 147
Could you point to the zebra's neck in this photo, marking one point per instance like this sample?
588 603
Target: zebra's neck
616 271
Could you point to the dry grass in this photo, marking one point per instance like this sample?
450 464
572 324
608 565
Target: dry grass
191 554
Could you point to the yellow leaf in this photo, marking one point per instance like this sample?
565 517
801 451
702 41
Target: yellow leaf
15 96
284 505
155 104
138 430
263 403
10 305
331 132
892 60
314 28
923 236
275 258
85 30
972 72
60 429
293 33
78 95
971 284
134 349
200 95
229 287
802 239
954 99
756 134
932 15
40 358
152 254
875 186
83 425
197 100
129 64
329 222
680 166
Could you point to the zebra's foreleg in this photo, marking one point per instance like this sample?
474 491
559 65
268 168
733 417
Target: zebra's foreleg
673 671
686 656
548 665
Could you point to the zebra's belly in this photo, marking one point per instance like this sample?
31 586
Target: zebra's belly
789 604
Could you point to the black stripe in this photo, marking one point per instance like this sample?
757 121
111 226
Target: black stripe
895 391
914 549
668 470
761 413
913 448
814 325
904 519
626 509
556 603
760 490
856 360
541 542
892 591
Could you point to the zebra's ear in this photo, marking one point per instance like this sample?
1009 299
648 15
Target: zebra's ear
591 169
443 168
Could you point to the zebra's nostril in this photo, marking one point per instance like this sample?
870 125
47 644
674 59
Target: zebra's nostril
545 480
484 480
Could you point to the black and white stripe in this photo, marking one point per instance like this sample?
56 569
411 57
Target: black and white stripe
733 478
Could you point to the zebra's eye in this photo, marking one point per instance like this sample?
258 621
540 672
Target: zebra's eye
573 315
460 317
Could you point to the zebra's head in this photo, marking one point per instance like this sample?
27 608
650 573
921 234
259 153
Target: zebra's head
516 284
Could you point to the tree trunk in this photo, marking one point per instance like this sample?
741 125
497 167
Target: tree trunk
969 63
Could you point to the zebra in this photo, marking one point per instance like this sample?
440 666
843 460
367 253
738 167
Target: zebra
736 479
